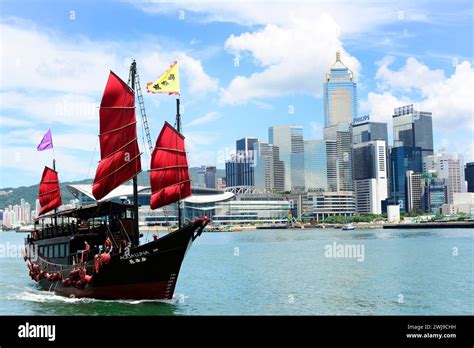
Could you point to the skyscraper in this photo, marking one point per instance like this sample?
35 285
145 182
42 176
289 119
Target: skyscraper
339 160
449 167
340 94
370 176
414 192
239 169
245 145
315 165
402 159
269 169
413 128
469 176
289 140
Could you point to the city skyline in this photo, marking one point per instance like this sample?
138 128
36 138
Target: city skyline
228 79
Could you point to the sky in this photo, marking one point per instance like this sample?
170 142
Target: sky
244 66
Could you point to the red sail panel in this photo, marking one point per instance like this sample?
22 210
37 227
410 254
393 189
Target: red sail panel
169 175
49 191
119 152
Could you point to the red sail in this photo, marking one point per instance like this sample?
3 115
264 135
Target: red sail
49 191
120 155
169 173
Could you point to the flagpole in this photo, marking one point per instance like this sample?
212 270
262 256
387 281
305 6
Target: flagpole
54 168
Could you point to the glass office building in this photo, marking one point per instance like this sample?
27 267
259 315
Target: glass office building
340 94
289 140
368 131
403 159
413 128
315 165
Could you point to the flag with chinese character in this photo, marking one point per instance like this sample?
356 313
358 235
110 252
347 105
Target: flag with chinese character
167 83
47 142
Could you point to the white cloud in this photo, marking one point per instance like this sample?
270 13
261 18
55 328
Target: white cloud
448 98
380 106
414 75
207 118
67 108
68 141
293 57
49 80
39 60
353 16
196 142
35 61
30 160
12 122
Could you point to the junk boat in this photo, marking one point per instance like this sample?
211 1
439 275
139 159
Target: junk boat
94 251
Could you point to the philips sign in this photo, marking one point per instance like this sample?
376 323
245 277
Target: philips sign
361 119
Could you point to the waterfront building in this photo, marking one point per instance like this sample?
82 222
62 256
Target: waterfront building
413 128
469 176
340 94
222 206
315 165
325 204
393 213
463 203
449 167
252 209
339 157
402 159
289 140
370 176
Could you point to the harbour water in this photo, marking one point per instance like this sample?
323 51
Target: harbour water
286 272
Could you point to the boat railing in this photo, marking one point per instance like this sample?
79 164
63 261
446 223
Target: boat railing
51 266
124 231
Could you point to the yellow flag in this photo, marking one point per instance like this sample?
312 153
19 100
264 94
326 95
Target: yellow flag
167 83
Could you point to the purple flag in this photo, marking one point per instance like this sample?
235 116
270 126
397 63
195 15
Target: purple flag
47 142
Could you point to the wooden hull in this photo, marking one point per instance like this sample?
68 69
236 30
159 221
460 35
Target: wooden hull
149 271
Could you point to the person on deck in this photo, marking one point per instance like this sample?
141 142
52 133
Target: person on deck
108 245
85 252
155 236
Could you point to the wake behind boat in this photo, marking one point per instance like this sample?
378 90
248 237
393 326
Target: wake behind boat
94 251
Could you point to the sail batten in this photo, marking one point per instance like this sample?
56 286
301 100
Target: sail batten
49 191
120 155
169 175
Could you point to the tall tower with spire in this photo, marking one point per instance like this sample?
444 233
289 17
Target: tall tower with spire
340 94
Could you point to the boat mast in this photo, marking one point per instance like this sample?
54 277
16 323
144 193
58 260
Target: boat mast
178 128
133 71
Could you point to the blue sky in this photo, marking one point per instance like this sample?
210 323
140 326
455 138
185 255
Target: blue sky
55 58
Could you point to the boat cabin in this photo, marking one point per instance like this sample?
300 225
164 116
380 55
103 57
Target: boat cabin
60 237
